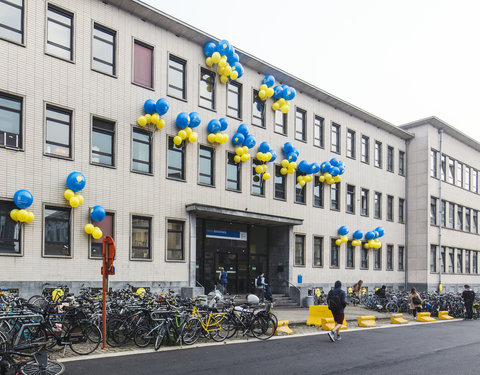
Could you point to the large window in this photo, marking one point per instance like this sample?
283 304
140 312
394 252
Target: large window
443 260
468 268
378 162
58 138
141 237
59 32
10 230
142 64
401 259
103 137
389 257
350 255
474 180
318 132
299 250
459 261
351 152
475 221
234 102
318 251
335 138
364 258
300 119
233 173
467 219
459 180
475 262
433 211
103 49
364 202
10 120
335 197
459 217
443 167
365 150
451 215
334 253
317 192
205 166
451 257
207 89
11 20
389 208
280 183
57 232
258 186
175 247
350 203
176 160
377 260
401 210
401 163
141 151
258 110
390 162
433 258
280 122
433 163
377 200
443 213
299 189
466 180
106 225
451 170
176 77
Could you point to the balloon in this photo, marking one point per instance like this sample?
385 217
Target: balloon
22 215
216 57
89 228
338 242
208 62
289 93
325 167
366 246
284 171
97 213
228 70
162 106
337 179
74 202
223 62
182 134
237 158
245 157
321 178
243 129
193 137
183 120
14 214
155 118
269 80
97 233
238 68
380 231
195 119
211 138
334 162
23 198
245 149
214 126
238 139
299 178
343 230
334 171
284 163
218 137
160 124
250 141
233 75
262 94
303 166
266 176
290 170
344 239
223 46
302 183
264 147
223 124
314 168
358 235
275 106
68 194
149 106
148 118
239 151
225 138
76 181
259 169
277 91
369 235
188 131
285 108
30 217
330 181
177 140
142 121
233 58
80 198
223 79
209 49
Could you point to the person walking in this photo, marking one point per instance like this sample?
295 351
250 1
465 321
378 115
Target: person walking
468 296
261 285
336 301
223 279
357 288
415 302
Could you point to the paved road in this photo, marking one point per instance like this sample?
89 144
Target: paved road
446 348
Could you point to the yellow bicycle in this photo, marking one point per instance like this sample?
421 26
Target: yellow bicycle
210 324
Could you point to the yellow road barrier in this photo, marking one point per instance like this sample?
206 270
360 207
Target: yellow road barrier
328 324
366 321
283 327
316 313
397 319
425 317
443 315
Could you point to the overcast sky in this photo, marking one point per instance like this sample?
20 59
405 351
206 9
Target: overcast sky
399 60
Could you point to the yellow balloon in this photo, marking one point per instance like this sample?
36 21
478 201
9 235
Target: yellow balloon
263 87
275 106
366 246
193 137
223 79
285 163
284 171
266 176
245 149
209 61
299 178
284 108
211 138
216 57
68 194
327 176
321 178
292 165
89 228
245 157
265 168
228 70
142 121
337 178
22 215
330 181
338 242
177 140
188 131
221 70
269 92
182 134
225 138
97 233
259 169
233 75
237 158
290 170
281 102
148 117
160 124
344 239
308 178
74 202
80 198
30 217
155 118
262 94
259 156
239 151
302 183
219 137
222 62
14 214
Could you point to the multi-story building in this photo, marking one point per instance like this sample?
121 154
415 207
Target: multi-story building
73 80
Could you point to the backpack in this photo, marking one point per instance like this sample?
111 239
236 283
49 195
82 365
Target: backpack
334 303
469 295
416 301
258 282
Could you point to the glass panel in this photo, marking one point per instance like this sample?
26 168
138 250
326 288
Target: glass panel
143 65
103 51
102 142
279 183
9 230
257 180
58 133
175 160
106 225
205 167
233 173
10 16
9 121
59 34
57 232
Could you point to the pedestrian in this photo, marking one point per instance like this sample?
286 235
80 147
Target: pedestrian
261 285
357 288
380 292
468 296
336 301
223 279
415 302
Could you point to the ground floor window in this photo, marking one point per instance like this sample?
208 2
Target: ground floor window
57 231
141 237
9 230
175 249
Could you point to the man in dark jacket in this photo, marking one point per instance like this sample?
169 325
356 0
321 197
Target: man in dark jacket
468 296
336 300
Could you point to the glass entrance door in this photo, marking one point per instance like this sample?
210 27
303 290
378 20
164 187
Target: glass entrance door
228 261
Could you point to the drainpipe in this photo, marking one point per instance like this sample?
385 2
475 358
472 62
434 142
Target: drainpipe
407 145
440 134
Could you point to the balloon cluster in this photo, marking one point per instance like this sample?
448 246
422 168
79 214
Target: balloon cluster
227 59
373 238
97 213
283 94
153 112
331 171
289 163
215 127
266 155
245 141
75 182
342 231
186 122
357 235
309 169
266 90
22 199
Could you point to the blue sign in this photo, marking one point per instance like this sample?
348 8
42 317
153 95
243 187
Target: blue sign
227 234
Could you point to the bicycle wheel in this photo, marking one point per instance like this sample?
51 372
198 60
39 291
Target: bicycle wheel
392 307
32 340
161 334
191 331
142 337
220 326
84 338
233 325
263 327
33 368
118 332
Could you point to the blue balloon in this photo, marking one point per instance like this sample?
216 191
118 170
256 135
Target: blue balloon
243 129
293 156
264 147
358 234
269 80
314 168
376 234
238 139
274 156
214 126
287 148
370 235
250 141
23 198
162 106
289 93
277 92
223 124
325 167
183 120
334 162
97 213
303 166
238 68
343 230
195 119
223 46
76 181
380 231
209 49
334 171
341 169
234 58
149 106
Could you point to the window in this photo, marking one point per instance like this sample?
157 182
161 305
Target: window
401 210
103 49
364 258
10 231
433 211
451 215
57 231
176 160
433 163
10 119
335 138
59 32
300 115
350 204
317 192
443 167
257 180
475 221
58 139
106 225
467 219
433 258
176 77
443 213
451 170
377 260
142 64
280 183
318 132
350 255
401 252
299 189
234 103
459 217
474 180
378 162
205 166
207 89
467 177
334 197
467 261
258 110
459 261
390 163
233 173
459 180
11 20
475 262
401 163
377 200
103 136
141 237
280 122
364 202
299 250
389 208
351 152
141 151
389 257
451 255
443 260
334 249
175 248
318 251
365 150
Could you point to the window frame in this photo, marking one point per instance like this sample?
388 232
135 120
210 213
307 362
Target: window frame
321 196
183 90
22 25
64 111
365 149
150 149
351 194
433 210
67 14
364 202
401 258
377 205
335 206
334 248
350 250
114 34
401 163
303 124
140 43
302 250
254 174
183 238
364 261
278 167
181 150
390 208
90 256
150 237
277 126
378 154
300 191
350 146
433 258
335 147
239 99
377 259
203 72
238 166
318 123
390 159
111 133
17 229
315 258
212 165
256 100
401 210
20 113
44 231
390 258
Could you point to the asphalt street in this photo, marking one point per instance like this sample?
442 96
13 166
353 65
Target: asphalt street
445 348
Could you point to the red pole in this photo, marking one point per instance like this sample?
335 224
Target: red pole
104 303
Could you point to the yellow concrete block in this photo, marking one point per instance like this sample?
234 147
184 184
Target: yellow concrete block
366 321
397 319
283 327
443 315
425 317
328 324
316 313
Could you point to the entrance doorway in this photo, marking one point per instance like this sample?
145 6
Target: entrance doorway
228 261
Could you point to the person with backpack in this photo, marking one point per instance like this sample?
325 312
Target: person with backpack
261 285
222 277
336 301
415 302
468 296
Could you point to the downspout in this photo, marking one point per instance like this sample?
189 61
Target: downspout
407 145
440 134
